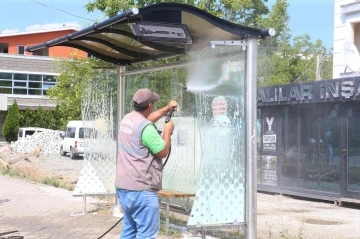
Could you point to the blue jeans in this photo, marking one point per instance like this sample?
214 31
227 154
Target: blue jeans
141 214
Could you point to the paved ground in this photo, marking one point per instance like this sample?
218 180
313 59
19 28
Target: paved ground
285 217
40 211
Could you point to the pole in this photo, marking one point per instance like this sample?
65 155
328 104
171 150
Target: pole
251 146
319 64
120 108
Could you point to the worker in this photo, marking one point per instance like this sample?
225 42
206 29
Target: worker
139 166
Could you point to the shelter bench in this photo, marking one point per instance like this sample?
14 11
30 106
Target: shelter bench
168 194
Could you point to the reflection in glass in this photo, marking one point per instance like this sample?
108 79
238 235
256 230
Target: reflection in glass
353 138
20 91
289 147
35 77
5 90
309 148
20 77
330 148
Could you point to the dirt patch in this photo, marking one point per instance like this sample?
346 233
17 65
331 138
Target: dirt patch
322 222
297 210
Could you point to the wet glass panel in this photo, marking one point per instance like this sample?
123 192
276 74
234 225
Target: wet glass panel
5 83
20 77
5 76
309 148
35 77
353 162
289 147
330 150
20 91
5 90
219 91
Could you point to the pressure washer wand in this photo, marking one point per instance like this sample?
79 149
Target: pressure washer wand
171 112
168 117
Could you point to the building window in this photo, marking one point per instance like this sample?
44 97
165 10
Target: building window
20 91
26 84
21 49
4 48
35 77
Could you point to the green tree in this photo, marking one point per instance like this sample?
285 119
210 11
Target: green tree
292 63
28 118
74 76
58 122
12 123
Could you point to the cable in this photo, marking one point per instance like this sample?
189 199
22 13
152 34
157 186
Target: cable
62 11
110 228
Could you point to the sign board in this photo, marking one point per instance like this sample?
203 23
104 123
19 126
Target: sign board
269 169
337 90
269 134
219 106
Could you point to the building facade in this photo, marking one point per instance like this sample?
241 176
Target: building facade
346 28
26 77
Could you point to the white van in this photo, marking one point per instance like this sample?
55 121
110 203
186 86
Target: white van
23 132
75 133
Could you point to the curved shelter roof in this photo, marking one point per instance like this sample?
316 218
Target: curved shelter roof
152 32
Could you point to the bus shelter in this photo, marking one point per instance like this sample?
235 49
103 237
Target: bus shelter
214 142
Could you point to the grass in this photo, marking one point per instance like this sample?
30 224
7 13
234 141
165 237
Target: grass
33 174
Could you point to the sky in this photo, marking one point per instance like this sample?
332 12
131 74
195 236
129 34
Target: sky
313 17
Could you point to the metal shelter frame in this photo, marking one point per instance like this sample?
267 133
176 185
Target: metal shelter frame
137 35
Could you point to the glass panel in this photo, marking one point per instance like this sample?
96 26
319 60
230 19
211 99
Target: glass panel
20 83
258 126
209 135
5 90
289 147
44 92
35 77
34 92
353 132
20 91
6 76
49 78
5 83
219 93
35 85
20 77
330 151
309 148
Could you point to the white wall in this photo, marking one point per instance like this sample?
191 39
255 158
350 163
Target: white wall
346 13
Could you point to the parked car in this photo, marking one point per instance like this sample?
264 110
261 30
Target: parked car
74 140
23 132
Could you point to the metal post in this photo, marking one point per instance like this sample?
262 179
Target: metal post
251 146
167 217
120 106
84 201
